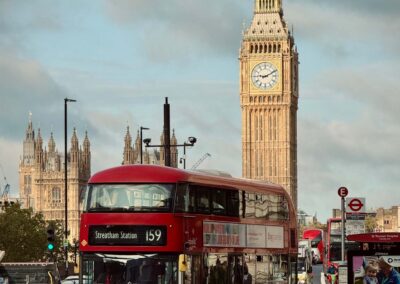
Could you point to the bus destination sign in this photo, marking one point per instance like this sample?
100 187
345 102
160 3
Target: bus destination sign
121 235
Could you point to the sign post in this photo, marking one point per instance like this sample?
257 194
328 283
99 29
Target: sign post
355 215
342 192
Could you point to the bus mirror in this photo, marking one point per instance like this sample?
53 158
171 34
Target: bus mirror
182 263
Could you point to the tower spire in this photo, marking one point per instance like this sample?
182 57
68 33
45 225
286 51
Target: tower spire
268 6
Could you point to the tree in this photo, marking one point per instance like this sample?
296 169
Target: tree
23 234
370 224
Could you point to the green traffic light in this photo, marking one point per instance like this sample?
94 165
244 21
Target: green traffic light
50 246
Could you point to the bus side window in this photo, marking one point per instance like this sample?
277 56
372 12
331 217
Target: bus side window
218 201
182 198
233 203
202 200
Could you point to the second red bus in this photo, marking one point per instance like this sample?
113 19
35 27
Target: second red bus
316 237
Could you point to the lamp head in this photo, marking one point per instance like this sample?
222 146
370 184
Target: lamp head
147 141
192 140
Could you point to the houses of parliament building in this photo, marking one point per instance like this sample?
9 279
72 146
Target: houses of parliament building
41 173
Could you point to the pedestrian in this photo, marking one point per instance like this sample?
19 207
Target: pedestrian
371 271
387 274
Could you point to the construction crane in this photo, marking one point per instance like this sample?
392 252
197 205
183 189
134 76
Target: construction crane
205 156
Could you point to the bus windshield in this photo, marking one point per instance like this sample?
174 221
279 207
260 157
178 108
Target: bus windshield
129 197
135 268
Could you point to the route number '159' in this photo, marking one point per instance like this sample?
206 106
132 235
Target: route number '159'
153 235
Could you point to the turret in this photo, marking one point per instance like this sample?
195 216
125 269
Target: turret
52 144
174 150
86 156
74 148
39 152
28 155
128 153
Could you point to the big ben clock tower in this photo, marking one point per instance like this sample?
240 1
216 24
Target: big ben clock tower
269 98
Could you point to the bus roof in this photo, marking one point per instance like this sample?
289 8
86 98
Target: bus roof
159 174
311 233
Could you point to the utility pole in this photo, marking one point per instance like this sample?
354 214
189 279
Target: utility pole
66 100
167 141
342 192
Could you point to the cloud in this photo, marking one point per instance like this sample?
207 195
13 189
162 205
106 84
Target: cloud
182 29
9 163
346 27
354 154
25 87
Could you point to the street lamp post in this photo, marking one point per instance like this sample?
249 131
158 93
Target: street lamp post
192 140
66 100
141 143
184 155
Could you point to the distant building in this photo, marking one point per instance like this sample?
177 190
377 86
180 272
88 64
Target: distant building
388 219
153 156
305 219
41 178
336 213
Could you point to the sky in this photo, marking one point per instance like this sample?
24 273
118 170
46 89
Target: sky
121 59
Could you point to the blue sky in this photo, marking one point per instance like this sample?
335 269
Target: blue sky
120 59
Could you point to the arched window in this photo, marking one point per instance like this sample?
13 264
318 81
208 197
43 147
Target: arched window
56 195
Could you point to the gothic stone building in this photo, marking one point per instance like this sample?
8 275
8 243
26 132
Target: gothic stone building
269 97
41 178
153 157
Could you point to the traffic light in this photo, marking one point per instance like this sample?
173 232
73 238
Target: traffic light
50 237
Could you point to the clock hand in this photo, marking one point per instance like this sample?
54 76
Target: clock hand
270 73
267 75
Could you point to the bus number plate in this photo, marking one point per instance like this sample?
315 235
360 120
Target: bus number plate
127 235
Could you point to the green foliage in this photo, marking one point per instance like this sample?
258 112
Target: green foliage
370 224
23 235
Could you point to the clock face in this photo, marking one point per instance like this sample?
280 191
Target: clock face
264 75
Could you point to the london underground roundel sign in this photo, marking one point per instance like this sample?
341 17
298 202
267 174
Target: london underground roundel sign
355 204
342 191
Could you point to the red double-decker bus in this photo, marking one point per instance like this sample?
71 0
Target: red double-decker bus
316 237
153 224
